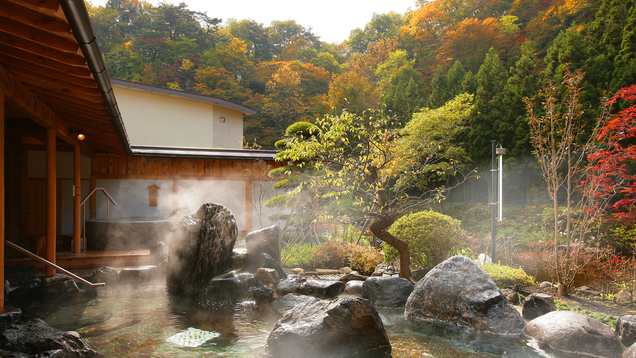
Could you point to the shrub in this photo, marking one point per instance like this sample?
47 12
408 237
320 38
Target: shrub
432 237
506 276
329 254
363 259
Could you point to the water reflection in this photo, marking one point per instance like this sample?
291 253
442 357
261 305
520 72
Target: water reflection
135 322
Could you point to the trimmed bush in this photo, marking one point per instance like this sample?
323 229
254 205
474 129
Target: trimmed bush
304 129
432 237
506 276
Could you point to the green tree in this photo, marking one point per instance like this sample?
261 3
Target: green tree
442 130
358 157
454 81
487 121
380 27
438 88
401 86
256 38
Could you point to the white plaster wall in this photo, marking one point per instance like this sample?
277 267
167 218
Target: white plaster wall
228 133
132 198
157 119
194 193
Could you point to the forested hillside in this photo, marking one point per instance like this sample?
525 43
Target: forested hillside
499 50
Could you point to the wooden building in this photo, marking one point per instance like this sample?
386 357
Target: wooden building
53 87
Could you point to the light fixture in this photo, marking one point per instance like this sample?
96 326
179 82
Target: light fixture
80 135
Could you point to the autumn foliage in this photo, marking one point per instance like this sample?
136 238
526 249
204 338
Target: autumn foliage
612 169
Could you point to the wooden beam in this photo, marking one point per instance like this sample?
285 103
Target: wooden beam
12 54
77 199
16 66
41 50
2 196
52 6
20 97
51 191
63 85
33 18
65 44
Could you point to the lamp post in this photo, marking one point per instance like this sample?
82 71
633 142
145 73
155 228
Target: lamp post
497 192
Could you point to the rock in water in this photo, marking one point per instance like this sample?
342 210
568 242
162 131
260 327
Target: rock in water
193 337
575 334
263 241
322 328
36 338
459 296
201 248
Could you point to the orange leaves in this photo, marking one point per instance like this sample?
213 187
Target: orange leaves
468 41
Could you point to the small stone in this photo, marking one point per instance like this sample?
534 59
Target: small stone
298 270
545 284
345 270
511 295
269 277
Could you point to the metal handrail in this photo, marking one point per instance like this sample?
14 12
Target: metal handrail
83 205
49 263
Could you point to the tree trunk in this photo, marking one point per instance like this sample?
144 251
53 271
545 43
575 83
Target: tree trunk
378 228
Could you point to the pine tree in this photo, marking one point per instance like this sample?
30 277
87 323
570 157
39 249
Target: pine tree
488 120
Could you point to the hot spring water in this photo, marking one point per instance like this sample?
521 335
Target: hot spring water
137 321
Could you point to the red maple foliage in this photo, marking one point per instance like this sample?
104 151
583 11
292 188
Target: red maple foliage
612 170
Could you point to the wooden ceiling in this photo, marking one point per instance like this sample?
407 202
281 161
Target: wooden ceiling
46 80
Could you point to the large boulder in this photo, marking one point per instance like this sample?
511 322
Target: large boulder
575 334
36 338
387 291
537 304
321 328
263 241
458 296
201 248
626 329
630 352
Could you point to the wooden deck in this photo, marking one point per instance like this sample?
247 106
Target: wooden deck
87 259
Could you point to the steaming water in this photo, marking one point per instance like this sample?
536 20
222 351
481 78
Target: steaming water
136 323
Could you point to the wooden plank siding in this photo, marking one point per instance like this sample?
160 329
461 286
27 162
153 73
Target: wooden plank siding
113 166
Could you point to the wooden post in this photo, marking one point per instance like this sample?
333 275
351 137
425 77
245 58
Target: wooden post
77 199
248 206
1 202
51 178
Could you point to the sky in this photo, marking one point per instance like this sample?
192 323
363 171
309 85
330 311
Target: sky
332 20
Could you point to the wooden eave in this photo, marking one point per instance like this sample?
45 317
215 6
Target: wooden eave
46 79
